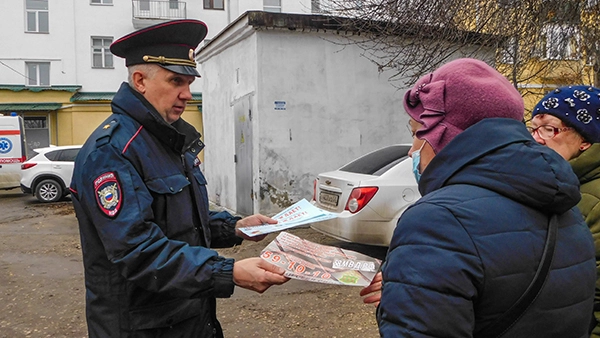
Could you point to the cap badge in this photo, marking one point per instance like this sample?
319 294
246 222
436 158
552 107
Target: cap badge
169 61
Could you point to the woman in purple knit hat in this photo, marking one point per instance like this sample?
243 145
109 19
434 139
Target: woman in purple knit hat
498 217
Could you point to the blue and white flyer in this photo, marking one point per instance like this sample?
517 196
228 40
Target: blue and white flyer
302 212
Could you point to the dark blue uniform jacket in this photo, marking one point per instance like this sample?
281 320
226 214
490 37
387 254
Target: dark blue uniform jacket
464 253
146 229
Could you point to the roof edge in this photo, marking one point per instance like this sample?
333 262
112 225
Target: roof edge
36 89
332 23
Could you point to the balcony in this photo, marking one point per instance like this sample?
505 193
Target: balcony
147 13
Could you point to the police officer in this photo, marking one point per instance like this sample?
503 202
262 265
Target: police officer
142 205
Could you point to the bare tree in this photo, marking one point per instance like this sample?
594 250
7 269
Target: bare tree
539 43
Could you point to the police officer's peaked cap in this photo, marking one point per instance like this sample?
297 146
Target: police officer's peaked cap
170 45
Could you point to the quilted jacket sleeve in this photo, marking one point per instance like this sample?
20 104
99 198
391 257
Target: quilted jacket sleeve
430 277
222 229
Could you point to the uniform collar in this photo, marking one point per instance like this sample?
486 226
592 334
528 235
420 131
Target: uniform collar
178 136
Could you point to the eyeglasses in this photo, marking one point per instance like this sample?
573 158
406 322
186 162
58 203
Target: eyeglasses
547 132
410 130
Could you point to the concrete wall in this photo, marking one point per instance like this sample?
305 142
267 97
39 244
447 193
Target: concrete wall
229 76
337 107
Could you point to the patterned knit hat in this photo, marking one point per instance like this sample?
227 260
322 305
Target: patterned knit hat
456 96
577 106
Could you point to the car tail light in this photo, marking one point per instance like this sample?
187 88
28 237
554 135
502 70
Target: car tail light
359 197
315 190
27 165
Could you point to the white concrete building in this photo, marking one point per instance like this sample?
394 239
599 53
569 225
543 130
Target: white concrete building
55 62
285 98
280 100
65 42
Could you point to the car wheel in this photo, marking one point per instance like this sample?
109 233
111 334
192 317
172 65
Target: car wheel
48 191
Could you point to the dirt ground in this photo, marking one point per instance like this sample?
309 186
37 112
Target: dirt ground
42 290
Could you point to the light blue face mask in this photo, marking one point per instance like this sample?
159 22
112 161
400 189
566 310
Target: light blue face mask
416 161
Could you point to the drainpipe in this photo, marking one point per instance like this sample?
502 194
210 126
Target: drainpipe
56 127
228 9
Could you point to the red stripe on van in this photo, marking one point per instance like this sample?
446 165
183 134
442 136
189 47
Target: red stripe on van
9 160
10 132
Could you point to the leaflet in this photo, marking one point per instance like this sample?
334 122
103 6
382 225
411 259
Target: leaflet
312 262
302 212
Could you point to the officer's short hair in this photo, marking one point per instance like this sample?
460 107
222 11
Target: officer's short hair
148 69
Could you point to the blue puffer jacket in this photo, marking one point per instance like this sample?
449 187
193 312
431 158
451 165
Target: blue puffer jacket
145 227
464 253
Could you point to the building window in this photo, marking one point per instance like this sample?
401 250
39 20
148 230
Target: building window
508 3
273 6
37 16
214 4
173 4
509 52
101 55
561 42
315 6
102 2
592 52
35 122
144 5
38 73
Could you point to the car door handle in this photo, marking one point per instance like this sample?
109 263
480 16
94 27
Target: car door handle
56 167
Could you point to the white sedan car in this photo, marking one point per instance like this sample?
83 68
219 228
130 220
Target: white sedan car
47 175
368 194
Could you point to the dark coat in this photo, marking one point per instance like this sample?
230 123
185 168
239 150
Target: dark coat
464 253
145 225
587 168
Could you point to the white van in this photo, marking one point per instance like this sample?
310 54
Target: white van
12 151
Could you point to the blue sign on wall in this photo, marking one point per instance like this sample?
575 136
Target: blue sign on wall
279 105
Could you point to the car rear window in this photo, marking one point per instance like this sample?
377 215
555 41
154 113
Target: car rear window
52 155
68 155
379 161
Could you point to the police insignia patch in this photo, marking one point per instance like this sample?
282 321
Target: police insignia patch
108 193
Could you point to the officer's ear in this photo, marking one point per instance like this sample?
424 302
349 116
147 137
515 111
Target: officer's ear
138 78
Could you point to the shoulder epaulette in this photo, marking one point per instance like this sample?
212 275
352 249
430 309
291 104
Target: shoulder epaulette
105 131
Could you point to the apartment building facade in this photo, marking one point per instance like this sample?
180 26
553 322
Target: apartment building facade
56 69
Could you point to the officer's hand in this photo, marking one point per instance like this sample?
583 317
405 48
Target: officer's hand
373 291
256 219
257 275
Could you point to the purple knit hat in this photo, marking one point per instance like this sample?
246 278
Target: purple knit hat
458 95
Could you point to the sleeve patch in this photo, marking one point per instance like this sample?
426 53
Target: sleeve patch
108 193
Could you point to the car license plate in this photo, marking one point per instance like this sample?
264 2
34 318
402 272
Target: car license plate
328 198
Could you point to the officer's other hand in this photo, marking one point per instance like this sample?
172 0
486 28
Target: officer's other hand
256 219
372 291
257 275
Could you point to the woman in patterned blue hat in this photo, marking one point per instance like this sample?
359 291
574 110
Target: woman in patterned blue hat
568 121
